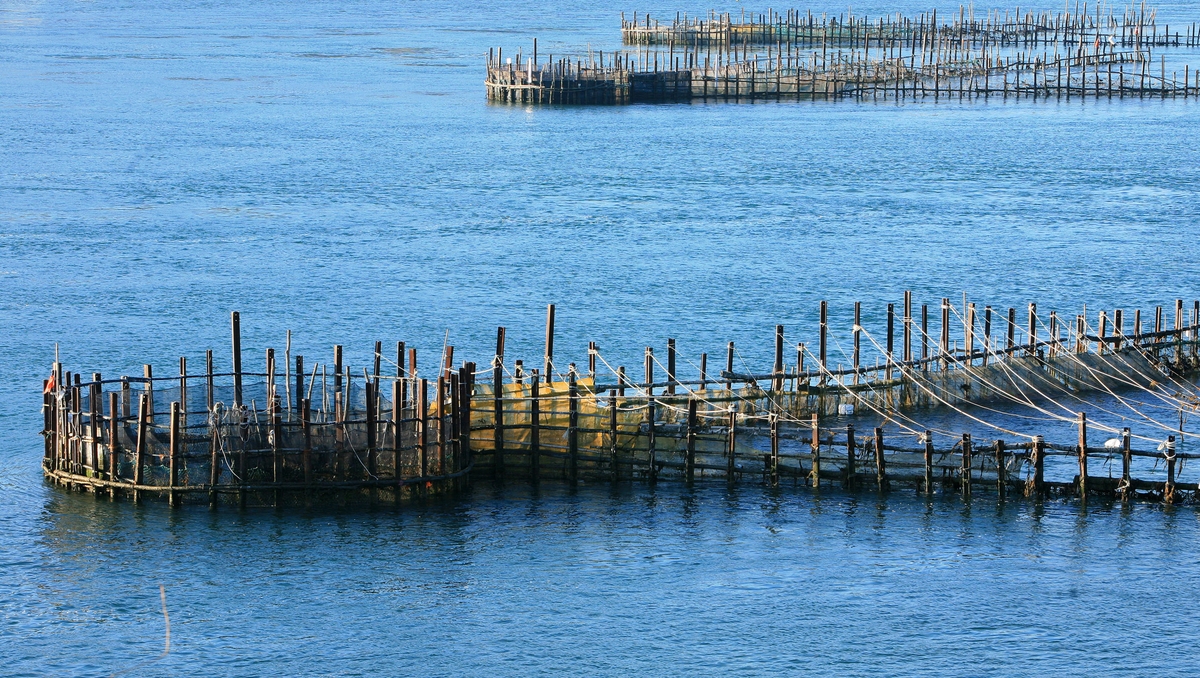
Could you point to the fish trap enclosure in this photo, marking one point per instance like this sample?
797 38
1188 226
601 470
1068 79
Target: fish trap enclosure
258 437
799 55
299 434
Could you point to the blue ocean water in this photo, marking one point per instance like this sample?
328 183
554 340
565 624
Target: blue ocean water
334 169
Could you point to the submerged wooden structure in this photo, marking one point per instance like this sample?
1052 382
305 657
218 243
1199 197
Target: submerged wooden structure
797 55
294 434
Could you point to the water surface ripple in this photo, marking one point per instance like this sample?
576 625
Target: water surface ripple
333 168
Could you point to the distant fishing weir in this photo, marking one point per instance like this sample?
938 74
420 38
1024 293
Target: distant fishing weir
288 436
803 56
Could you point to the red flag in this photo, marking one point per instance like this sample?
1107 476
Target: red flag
49 384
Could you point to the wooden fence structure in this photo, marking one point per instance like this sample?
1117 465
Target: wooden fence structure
793 56
389 437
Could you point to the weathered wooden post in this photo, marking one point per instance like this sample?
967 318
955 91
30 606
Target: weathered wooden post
928 438
214 441
306 454
612 432
299 386
126 399
670 367
372 461
535 427
777 367
729 367
94 425
880 465
454 436
276 421
1033 343
815 475
908 353
140 448
1011 342
857 332
210 395
173 456
731 448
237 358
969 336
823 328
148 380
549 366
337 384
1126 463
651 442
572 428
1001 480
1169 487
965 471
945 338
1083 460
497 418
47 424
851 476
987 334
462 427
422 423
1036 487
114 441
692 425
773 458
443 428
649 364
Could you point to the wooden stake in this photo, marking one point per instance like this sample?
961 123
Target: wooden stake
237 358
1126 463
1083 460
497 418
140 449
370 389
535 448
612 433
114 441
173 460
549 344
1169 487
423 427
442 423
572 429
306 455
880 464
1001 480
731 448
928 463
773 459
822 345
851 476
692 426
1037 489
965 471
670 366
651 442
815 475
